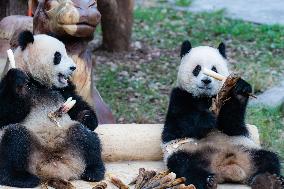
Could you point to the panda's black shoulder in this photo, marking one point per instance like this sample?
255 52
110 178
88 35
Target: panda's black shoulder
179 100
178 92
178 110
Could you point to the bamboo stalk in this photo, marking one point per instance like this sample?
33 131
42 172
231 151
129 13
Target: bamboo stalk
11 58
214 74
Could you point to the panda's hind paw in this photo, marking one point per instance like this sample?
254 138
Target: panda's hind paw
268 181
280 181
211 182
32 181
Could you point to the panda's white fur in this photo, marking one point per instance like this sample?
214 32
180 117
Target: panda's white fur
38 60
206 57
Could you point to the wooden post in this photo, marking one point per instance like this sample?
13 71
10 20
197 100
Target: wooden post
117 19
13 7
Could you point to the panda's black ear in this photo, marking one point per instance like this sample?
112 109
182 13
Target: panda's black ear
25 38
222 49
185 48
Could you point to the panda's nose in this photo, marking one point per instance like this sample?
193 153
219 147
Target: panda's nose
72 68
206 81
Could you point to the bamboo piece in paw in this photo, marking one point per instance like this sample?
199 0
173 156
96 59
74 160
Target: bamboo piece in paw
11 58
53 116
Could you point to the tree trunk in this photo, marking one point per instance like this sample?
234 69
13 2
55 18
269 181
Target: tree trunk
117 19
13 7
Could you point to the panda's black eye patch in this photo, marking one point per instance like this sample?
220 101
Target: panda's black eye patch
57 58
196 70
214 69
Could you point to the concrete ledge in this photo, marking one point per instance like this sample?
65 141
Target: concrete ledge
126 171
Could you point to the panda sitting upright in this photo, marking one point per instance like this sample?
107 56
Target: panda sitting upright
206 149
32 147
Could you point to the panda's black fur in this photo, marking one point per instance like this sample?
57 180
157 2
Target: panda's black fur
220 149
25 157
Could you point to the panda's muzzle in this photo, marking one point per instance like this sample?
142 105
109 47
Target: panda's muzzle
206 81
63 78
73 68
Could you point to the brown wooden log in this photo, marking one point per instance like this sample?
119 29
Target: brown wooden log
117 19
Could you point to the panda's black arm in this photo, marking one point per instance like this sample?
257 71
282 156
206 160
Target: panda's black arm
185 119
231 119
81 111
15 102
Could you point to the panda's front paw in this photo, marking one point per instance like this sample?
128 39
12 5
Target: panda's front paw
17 80
242 88
88 118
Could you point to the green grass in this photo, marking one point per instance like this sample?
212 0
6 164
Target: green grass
270 123
137 89
183 3
256 50
135 92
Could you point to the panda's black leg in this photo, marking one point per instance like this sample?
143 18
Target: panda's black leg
88 143
194 168
266 161
15 149
267 173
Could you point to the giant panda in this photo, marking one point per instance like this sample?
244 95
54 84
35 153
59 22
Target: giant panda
208 149
32 147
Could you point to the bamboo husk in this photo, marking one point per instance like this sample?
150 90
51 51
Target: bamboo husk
162 180
224 93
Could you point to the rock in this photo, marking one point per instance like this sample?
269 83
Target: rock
137 45
273 97
263 12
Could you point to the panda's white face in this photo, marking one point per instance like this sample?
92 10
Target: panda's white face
63 68
191 75
47 61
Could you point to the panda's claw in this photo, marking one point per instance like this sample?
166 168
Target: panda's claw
211 182
277 181
281 180
242 88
